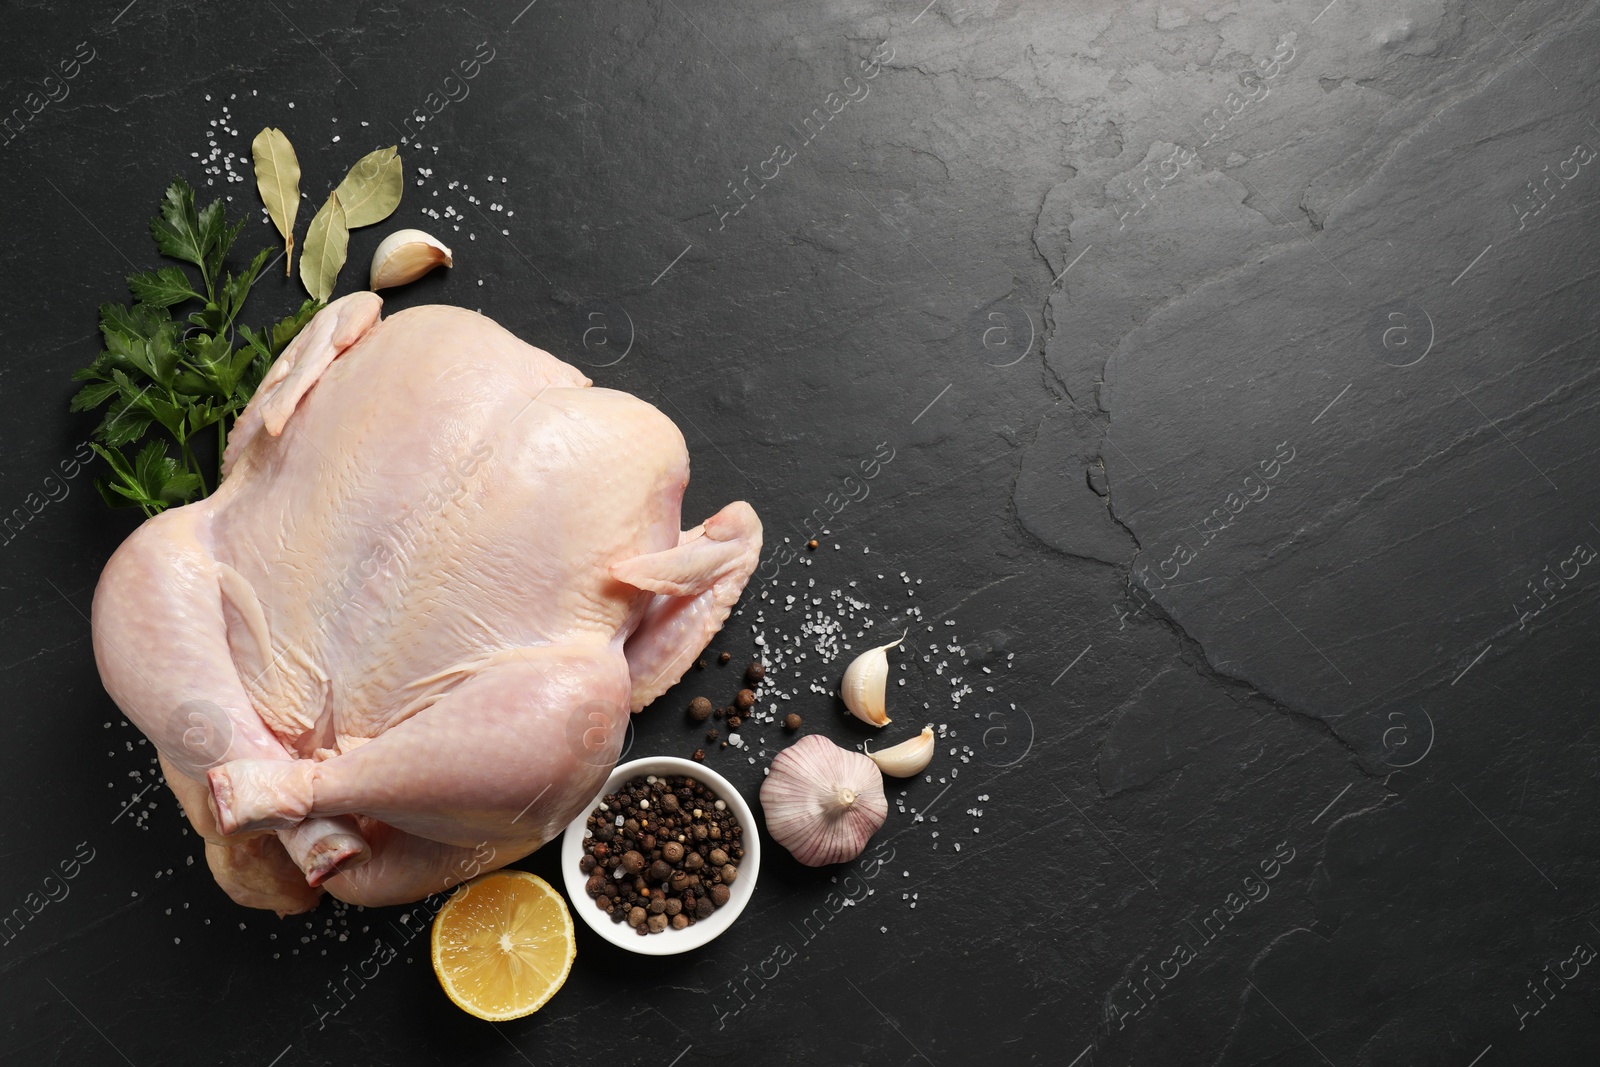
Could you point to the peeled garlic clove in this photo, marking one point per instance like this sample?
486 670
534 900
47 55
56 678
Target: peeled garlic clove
406 255
864 683
908 758
822 802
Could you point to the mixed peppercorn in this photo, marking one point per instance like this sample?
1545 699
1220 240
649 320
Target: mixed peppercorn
661 851
701 708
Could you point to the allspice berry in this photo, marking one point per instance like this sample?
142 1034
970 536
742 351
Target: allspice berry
699 709
632 862
661 870
679 922
754 673
637 917
792 721
745 700
657 923
729 873
718 857
703 909
720 895
672 851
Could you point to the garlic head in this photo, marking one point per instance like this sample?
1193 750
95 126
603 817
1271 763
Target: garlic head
823 802
865 682
406 255
908 758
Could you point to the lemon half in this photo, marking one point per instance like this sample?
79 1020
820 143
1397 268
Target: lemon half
502 945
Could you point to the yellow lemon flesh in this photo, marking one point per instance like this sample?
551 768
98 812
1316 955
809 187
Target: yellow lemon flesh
503 945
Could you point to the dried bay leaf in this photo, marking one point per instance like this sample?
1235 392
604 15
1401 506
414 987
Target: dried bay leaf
327 242
371 191
278 179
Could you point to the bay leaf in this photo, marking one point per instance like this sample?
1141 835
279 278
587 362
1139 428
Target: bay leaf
327 242
278 179
371 191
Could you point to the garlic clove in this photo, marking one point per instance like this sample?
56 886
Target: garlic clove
865 682
908 758
822 802
406 255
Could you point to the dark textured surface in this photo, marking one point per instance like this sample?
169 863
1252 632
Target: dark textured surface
1230 441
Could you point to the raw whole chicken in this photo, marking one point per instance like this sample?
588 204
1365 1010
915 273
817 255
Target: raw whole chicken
400 643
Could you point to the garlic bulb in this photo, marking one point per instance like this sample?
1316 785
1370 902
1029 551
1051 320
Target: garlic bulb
864 683
406 255
823 802
909 757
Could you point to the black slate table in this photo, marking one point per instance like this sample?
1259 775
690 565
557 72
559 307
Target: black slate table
1209 387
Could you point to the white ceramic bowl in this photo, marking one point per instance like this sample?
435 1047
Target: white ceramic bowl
669 942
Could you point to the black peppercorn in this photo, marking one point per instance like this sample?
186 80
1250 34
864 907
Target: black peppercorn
699 755
724 657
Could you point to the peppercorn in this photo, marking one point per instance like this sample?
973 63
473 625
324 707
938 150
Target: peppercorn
700 663
712 735
700 709
724 657
811 545
745 700
734 722
656 865
755 672
699 755
792 721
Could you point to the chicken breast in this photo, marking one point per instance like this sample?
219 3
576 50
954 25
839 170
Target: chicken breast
400 644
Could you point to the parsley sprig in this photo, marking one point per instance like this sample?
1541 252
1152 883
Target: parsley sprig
190 377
